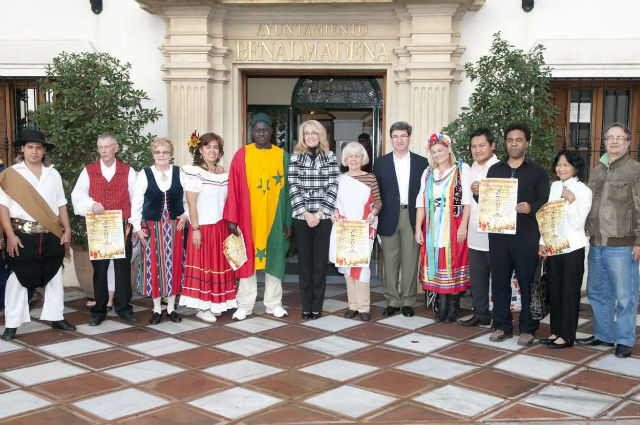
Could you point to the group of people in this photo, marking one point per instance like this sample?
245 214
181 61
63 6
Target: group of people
425 211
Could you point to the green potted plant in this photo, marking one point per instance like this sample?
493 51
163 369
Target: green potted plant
87 94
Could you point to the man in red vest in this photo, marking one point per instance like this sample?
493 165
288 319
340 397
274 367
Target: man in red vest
108 184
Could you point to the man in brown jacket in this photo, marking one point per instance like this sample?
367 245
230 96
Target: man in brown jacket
614 229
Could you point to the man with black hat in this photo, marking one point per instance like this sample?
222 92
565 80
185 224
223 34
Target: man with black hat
33 213
258 205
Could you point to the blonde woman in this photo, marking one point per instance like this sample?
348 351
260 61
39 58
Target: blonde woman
313 186
158 217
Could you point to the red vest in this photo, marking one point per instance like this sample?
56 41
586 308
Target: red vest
114 194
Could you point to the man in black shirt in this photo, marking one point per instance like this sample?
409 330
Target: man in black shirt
519 251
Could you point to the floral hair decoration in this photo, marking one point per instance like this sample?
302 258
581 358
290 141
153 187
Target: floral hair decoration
193 142
439 138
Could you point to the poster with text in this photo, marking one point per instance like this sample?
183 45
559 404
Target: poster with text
497 202
352 243
552 221
105 235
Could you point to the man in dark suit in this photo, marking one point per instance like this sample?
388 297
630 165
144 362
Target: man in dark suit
398 174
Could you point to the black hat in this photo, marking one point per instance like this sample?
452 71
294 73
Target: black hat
33 136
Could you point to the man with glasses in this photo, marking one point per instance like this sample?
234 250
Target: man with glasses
108 184
517 252
398 174
614 231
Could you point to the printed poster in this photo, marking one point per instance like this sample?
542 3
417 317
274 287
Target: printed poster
497 202
105 235
234 249
552 221
352 243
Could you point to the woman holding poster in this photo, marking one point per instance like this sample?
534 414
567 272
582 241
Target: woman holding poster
358 199
443 206
566 267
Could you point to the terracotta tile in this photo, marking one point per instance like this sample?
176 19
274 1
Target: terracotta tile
601 381
4 387
291 414
294 314
292 300
54 416
199 357
130 336
77 387
212 335
411 413
523 411
78 317
372 332
630 410
80 304
379 357
453 330
292 384
291 357
174 415
472 353
293 334
107 358
396 383
573 354
20 358
48 336
501 384
186 386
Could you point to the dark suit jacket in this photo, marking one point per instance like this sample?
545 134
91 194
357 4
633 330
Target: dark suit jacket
385 173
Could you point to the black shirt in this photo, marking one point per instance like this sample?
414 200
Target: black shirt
533 188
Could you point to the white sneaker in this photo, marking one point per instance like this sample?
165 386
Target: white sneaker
278 311
206 315
241 314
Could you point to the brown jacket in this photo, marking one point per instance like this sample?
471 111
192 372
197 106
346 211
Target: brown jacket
614 219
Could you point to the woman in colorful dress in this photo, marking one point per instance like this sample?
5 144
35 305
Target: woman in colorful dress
209 281
313 186
158 217
358 199
443 200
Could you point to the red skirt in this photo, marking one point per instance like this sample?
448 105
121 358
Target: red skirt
209 281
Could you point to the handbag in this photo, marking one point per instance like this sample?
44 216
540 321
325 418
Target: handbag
540 302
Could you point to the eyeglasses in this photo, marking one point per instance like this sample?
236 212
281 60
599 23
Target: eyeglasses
161 153
310 133
615 138
399 136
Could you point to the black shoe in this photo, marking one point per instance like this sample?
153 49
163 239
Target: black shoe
350 314
547 341
315 316
593 341
62 325
443 308
622 351
407 311
390 311
95 321
454 306
474 321
554 344
128 317
306 315
155 318
8 334
365 317
174 316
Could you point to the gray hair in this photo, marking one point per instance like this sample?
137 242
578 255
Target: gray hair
355 147
107 135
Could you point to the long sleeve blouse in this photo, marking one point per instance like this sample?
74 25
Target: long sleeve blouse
313 183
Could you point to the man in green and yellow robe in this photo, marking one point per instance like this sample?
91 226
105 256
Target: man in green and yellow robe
258 204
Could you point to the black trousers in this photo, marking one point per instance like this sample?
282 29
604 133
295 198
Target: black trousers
313 255
480 269
508 253
564 273
122 294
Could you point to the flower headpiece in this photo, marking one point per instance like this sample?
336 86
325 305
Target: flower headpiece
439 138
193 142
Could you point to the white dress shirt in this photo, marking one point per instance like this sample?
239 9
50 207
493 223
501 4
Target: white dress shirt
137 200
49 186
403 170
80 199
476 240
577 211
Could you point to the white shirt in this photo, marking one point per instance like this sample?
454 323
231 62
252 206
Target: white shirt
49 187
137 200
577 211
475 239
211 189
403 169
80 199
438 188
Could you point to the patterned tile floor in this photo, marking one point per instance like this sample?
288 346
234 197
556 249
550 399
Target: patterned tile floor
332 370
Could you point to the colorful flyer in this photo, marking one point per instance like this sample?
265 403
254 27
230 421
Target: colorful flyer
234 249
352 243
105 235
497 202
552 221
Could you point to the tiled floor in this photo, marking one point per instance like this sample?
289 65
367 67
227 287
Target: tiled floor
265 370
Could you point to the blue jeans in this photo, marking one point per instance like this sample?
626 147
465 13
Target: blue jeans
613 276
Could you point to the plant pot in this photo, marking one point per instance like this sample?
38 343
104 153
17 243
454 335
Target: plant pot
84 270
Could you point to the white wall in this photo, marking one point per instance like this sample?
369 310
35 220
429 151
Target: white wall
123 29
